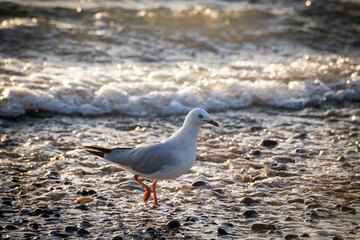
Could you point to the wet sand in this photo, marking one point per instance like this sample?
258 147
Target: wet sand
265 174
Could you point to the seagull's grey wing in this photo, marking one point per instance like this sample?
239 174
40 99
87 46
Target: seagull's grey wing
120 156
150 159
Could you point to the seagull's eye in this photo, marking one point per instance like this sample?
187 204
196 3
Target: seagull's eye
200 116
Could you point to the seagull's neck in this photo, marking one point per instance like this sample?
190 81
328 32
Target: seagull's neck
187 135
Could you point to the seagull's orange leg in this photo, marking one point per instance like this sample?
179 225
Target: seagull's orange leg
147 193
155 198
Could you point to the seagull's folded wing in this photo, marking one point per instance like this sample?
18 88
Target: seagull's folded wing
151 158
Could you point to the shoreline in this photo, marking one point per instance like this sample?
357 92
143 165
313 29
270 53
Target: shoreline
240 186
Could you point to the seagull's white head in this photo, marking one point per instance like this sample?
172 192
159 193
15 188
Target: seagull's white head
199 117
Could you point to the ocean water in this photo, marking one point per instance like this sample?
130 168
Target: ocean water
164 57
123 73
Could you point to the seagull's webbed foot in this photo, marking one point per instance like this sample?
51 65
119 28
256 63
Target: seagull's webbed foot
147 193
155 198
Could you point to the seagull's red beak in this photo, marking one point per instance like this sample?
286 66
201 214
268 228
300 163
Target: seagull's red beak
212 122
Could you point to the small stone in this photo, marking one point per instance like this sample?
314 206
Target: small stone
83 231
348 209
71 229
83 207
5 207
262 227
296 200
26 210
256 128
291 236
173 224
34 225
201 185
255 152
117 238
191 219
250 214
150 230
15 179
83 199
314 205
314 215
85 192
24 221
10 227
227 225
268 143
222 231
248 201
86 224
288 219
218 192
341 158
51 175
7 202
301 136
300 150
305 235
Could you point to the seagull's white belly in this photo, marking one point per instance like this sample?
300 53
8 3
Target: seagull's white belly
172 171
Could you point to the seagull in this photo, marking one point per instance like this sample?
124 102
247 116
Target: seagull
164 160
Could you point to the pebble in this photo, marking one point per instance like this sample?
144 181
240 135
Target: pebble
201 184
262 227
300 150
348 209
191 219
26 210
268 143
222 231
150 230
86 224
83 231
117 238
85 192
255 152
83 199
313 205
301 136
227 225
250 214
296 200
34 225
305 235
7 202
291 236
173 224
218 192
82 207
51 175
10 227
256 128
248 201
5 206
71 229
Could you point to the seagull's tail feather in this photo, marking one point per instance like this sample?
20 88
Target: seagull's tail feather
96 150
